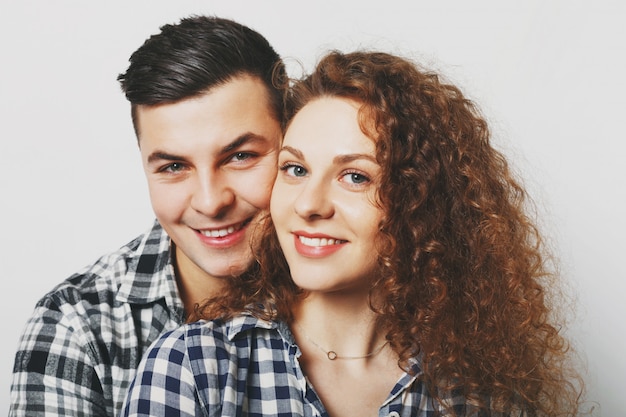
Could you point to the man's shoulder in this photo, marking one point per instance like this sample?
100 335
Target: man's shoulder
86 336
101 280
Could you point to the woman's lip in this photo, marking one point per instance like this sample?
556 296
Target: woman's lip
313 235
317 245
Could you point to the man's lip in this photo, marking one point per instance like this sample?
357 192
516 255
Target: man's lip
222 231
224 237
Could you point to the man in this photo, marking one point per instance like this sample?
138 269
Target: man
208 123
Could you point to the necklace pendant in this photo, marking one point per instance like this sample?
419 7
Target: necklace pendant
331 354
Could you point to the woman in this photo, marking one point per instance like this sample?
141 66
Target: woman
410 282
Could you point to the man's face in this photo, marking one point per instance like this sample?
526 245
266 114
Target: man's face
210 162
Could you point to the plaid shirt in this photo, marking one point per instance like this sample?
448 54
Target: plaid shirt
81 347
244 366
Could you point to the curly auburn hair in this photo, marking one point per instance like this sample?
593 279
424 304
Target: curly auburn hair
464 276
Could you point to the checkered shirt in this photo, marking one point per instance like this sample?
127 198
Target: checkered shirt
81 347
243 367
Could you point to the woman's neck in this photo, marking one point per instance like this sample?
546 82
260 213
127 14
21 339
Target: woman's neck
337 323
344 354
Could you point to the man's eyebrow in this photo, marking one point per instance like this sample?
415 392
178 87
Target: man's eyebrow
242 140
235 144
160 156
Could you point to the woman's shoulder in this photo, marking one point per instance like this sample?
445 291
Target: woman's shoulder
216 341
223 333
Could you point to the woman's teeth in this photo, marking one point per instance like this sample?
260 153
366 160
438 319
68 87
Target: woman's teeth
316 241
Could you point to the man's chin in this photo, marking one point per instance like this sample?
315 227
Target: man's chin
229 271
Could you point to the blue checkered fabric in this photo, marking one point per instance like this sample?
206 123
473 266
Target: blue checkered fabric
243 367
81 347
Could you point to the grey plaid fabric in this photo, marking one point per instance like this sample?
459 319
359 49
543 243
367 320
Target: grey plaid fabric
243 367
81 347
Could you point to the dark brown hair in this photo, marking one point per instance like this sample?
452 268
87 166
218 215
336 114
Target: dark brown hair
198 53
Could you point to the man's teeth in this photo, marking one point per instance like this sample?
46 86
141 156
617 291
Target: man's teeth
218 232
316 241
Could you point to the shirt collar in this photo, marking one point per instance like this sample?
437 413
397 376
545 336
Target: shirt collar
406 380
245 322
149 274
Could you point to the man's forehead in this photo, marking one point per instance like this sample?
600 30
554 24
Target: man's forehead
240 104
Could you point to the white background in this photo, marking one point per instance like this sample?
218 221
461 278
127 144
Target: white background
549 75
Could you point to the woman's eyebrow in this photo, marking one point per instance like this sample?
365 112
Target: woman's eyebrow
342 159
339 159
293 151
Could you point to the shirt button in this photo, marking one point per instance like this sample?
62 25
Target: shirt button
394 414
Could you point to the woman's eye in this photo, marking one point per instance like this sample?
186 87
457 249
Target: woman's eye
294 170
355 178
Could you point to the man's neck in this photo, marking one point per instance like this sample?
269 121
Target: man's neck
194 284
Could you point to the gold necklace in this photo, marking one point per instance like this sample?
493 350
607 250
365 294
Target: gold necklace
332 355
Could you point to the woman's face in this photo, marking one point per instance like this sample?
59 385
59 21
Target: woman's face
322 203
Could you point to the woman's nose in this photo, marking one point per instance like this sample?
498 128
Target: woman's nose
314 201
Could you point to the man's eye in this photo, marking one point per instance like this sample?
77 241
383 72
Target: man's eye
173 167
242 156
